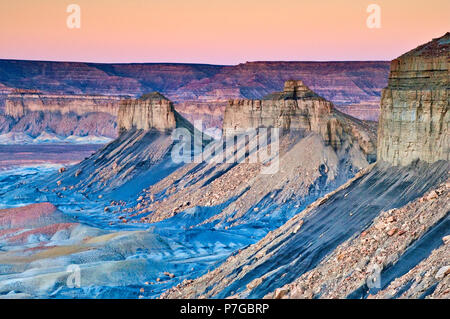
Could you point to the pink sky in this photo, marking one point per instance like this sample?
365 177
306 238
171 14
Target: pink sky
217 31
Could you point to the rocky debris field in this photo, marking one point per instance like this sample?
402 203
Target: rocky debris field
380 246
306 240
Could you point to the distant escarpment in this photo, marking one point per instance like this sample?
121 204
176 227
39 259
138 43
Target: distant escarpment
199 92
63 115
354 84
415 106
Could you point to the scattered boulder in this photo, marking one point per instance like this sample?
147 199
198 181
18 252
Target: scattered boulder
444 271
280 293
432 195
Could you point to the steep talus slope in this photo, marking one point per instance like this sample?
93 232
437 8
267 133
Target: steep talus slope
299 246
378 220
145 142
394 233
428 279
319 149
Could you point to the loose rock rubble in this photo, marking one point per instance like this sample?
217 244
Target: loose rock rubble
381 245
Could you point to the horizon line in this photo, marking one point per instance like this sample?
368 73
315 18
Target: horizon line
195 63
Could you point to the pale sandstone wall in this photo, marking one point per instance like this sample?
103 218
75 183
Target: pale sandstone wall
146 114
299 108
414 115
18 105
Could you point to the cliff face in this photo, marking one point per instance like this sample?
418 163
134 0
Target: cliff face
298 108
390 221
343 83
141 154
414 115
18 105
319 149
64 115
151 111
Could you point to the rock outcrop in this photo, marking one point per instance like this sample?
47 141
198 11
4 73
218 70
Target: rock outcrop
140 154
63 115
391 217
152 111
319 149
18 105
415 113
298 108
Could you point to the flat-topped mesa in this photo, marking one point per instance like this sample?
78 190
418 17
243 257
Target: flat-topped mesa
414 114
152 111
21 102
296 108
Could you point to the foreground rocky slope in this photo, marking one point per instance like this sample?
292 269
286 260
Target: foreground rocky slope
377 221
345 272
299 246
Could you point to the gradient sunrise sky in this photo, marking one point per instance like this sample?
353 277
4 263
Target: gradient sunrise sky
217 31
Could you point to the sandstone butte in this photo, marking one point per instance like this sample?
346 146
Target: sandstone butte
414 115
151 111
320 148
298 108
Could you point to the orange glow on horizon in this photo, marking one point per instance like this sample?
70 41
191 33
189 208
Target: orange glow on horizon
217 31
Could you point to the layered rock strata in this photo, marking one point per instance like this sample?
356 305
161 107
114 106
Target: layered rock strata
392 218
18 105
415 114
63 115
297 108
151 111
142 148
